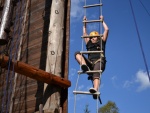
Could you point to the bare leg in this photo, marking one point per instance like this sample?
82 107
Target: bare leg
96 83
80 59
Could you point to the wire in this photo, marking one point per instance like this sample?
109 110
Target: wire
145 8
140 40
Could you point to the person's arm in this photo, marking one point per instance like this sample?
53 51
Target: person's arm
106 29
84 31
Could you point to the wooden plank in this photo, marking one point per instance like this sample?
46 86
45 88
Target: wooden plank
64 98
55 52
86 93
24 105
93 5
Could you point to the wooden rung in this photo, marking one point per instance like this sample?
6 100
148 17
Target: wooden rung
86 92
93 5
87 52
92 36
90 21
93 71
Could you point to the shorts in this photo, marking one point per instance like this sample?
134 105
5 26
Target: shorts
94 66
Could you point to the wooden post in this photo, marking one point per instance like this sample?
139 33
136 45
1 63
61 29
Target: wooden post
34 73
54 53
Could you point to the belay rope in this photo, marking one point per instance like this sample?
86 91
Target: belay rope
100 32
5 106
142 50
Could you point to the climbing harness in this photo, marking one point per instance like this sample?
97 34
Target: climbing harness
96 94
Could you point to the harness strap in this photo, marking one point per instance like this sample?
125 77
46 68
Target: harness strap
98 60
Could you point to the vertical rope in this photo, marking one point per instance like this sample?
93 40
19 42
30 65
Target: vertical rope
144 8
76 94
8 70
82 48
140 41
85 8
9 76
15 55
100 31
17 49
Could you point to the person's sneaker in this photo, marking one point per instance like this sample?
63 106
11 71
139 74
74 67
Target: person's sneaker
84 68
95 96
92 90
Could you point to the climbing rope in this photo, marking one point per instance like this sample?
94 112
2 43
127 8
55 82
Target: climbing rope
75 96
17 50
14 46
144 8
100 32
8 75
142 50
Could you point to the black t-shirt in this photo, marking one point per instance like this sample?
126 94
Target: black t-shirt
95 47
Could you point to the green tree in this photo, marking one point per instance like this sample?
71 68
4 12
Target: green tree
86 110
110 107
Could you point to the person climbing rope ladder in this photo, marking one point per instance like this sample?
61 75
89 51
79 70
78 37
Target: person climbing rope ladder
93 61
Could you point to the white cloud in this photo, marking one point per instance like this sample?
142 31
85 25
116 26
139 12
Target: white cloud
114 79
81 87
128 84
76 8
93 27
72 73
142 79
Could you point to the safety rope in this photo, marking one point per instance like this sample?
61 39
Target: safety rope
9 75
26 5
144 8
82 48
14 46
18 45
75 96
142 50
100 32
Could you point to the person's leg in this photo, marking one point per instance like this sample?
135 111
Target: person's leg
96 83
82 61
96 76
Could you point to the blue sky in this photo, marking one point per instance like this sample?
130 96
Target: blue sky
125 79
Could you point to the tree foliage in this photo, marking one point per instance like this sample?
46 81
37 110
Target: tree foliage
110 107
86 110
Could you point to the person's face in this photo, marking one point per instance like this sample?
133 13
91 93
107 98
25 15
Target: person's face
94 39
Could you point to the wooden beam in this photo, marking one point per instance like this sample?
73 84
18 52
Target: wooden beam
34 73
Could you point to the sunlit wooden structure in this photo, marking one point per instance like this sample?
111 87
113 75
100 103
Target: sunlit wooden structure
37 78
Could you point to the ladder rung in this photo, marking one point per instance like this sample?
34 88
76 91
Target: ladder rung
86 92
90 21
93 71
94 5
91 36
87 52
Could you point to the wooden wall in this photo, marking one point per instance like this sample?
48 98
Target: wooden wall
30 27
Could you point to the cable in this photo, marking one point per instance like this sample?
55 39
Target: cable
140 41
145 8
